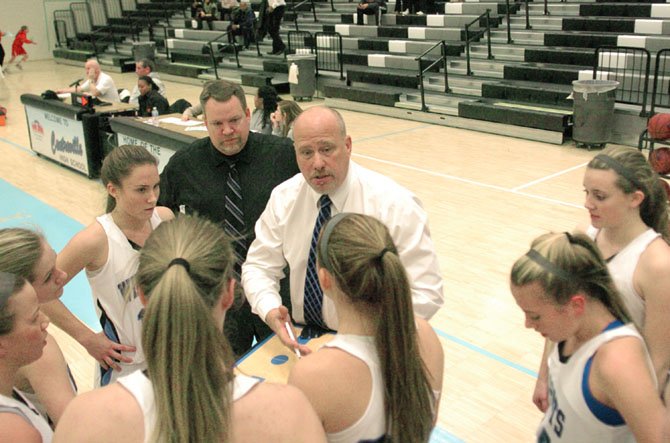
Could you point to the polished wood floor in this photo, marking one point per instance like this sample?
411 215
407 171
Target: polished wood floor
487 197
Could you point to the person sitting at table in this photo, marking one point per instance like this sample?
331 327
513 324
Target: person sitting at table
146 66
97 84
189 392
150 98
381 376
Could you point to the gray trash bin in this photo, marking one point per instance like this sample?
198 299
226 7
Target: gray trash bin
144 50
593 111
302 75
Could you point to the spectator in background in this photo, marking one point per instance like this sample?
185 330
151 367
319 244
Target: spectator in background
227 8
368 7
207 13
275 13
282 119
196 7
146 67
242 23
20 39
150 98
265 102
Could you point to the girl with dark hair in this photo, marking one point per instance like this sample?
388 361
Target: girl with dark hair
265 103
380 378
189 392
150 97
602 386
108 249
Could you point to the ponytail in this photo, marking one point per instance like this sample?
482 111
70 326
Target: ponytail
184 269
359 252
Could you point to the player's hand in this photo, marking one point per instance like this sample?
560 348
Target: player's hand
107 352
276 319
540 395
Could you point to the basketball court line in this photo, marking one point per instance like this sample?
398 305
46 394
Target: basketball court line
548 177
16 145
468 181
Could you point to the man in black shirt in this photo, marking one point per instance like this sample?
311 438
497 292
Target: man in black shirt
228 178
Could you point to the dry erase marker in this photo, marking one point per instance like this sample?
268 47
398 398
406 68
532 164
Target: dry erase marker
292 337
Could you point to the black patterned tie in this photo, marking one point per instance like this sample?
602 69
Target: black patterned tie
313 312
233 222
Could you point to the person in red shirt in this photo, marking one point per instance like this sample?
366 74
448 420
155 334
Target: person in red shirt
17 47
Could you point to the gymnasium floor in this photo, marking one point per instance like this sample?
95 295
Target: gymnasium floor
487 197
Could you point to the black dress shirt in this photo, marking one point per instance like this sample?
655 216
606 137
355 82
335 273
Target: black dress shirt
195 178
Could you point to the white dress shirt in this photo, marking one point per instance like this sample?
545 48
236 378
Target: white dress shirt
105 85
274 4
284 234
135 95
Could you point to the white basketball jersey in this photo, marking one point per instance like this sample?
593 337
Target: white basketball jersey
117 304
574 415
22 407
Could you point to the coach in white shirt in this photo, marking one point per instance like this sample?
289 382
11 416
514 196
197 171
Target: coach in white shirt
284 230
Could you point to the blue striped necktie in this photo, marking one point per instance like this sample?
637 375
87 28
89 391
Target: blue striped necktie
233 222
313 311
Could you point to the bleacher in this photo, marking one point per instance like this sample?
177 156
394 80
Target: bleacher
520 87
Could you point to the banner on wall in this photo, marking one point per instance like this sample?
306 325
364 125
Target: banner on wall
161 153
57 137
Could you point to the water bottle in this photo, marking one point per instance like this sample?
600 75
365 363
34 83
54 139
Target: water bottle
154 116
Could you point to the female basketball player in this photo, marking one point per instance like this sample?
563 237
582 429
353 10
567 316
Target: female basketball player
47 382
601 382
23 333
188 392
629 223
108 249
381 375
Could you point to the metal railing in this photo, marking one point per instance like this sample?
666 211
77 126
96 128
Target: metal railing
61 33
443 59
508 18
329 52
99 14
476 35
96 37
295 7
210 46
630 67
300 40
65 32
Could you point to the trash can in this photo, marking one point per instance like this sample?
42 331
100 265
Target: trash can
593 111
302 75
144 50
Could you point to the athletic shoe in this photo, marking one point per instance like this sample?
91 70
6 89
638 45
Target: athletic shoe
419 13
405 12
